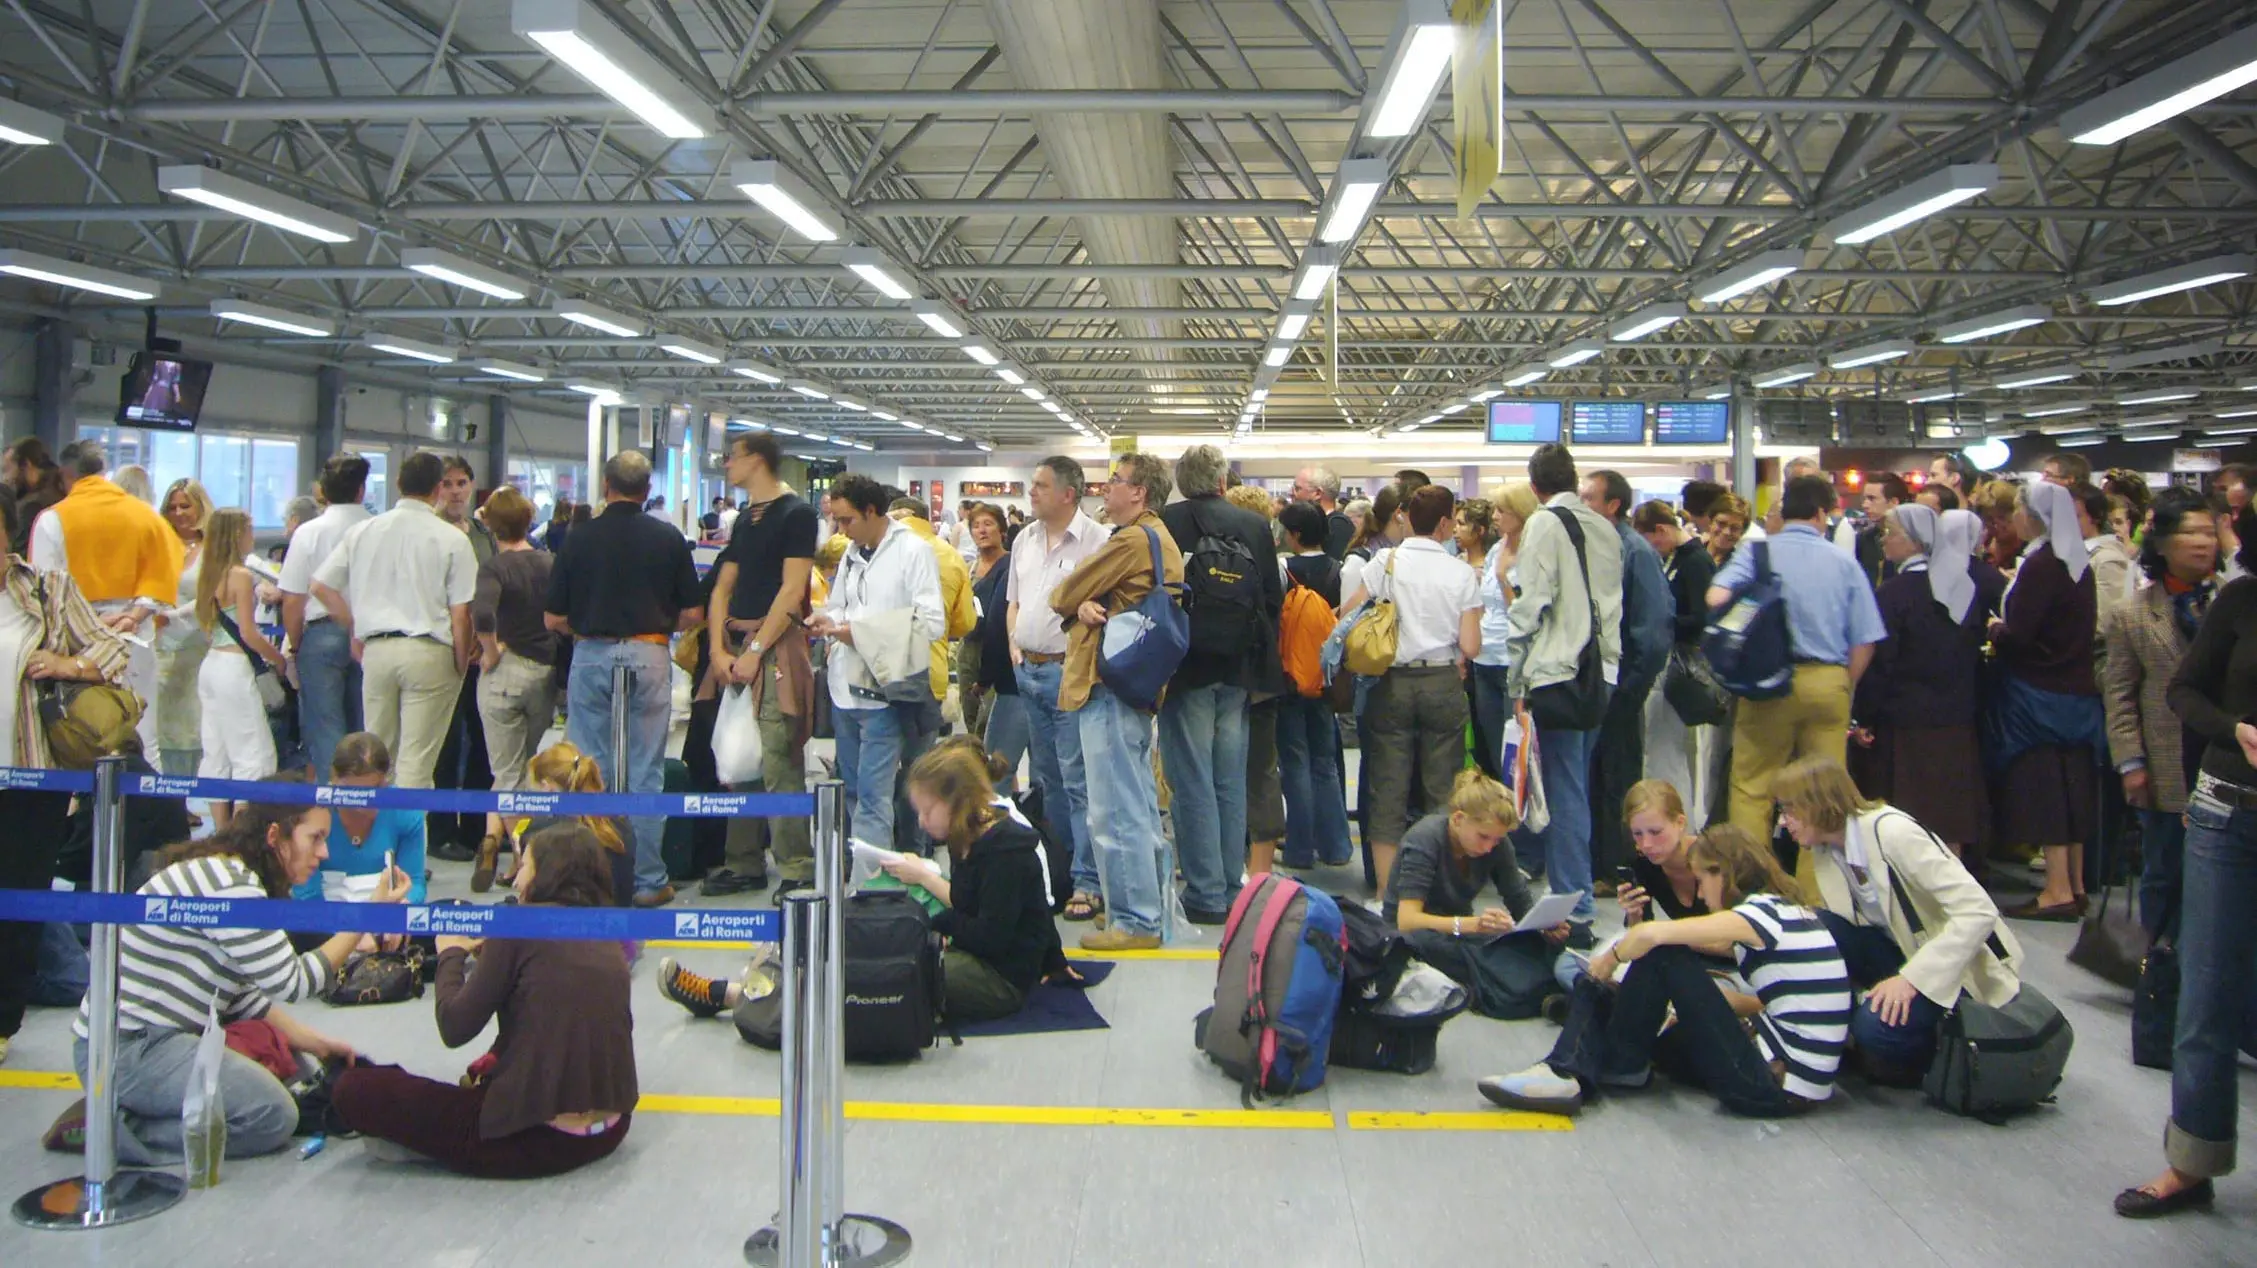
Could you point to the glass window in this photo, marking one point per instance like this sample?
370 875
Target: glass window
378 496
173 458
274 480
226 475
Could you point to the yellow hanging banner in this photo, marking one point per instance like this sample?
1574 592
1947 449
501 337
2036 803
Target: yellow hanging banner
1122 444
1477 105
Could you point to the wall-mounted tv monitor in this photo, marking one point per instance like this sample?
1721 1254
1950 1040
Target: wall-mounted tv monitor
1606 422
1796 420
1525 422
1692 422
163 391
1874 422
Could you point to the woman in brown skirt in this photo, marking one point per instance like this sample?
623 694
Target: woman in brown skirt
1917 744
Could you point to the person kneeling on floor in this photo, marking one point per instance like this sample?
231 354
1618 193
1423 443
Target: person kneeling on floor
1780 1061
563 768
560 1091
1440 868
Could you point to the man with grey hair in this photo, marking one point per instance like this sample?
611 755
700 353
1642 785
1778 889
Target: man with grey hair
1319 484
1235 593
1049 548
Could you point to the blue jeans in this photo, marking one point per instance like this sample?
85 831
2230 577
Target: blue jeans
2162 847
1872 956
63 968
1124 810
1203 750
329 693
1316 807
1008 733
1613 1037
869 748
1492 707
152 1079
2217 962
651 688
1054 745
1565 843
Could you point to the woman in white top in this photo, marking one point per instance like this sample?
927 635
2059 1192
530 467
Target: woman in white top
238 743
1510 505
181 644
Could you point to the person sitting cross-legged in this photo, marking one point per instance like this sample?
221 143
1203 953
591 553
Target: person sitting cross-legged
1444 861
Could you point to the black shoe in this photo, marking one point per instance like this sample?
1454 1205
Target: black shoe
454 852
787 886
703 996
1579 936
723 883
1198 917
1555 1009
2139 1204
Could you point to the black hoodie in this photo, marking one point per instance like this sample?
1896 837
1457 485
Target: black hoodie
997 906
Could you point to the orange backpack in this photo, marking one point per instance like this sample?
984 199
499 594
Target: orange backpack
1303 625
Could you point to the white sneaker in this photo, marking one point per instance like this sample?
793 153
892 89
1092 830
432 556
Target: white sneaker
1537 1089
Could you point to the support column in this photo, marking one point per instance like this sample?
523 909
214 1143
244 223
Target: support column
593 494
54 409
328 414
1743 444
497 441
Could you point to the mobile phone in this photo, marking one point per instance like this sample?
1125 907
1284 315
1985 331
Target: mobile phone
1622 876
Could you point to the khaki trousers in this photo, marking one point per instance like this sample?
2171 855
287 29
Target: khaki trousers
1811 720
408 690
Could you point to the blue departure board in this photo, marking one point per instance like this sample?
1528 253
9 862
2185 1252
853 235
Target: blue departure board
1607 422
1524 422
1692 422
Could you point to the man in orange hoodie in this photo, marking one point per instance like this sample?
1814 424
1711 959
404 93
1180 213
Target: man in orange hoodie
124 557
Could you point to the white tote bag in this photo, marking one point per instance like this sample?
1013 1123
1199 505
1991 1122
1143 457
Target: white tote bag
736 738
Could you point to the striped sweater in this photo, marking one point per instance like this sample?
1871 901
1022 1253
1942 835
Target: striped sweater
168 977
1805 989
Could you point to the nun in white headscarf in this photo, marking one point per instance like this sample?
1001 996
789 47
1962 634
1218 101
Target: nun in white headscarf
2047 726
1918 744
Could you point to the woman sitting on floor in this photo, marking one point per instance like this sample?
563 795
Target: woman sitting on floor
561 1090
561 768
1662 884
1444 861
361 840
1780 1061
1873 860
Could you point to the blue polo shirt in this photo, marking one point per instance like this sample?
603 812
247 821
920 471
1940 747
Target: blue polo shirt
1830 606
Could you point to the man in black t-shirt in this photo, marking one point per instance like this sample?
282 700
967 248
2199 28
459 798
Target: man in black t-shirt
757 637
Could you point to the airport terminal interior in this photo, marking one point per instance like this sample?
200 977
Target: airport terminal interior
935 242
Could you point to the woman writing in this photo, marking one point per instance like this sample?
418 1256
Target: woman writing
561 1089
517 656
362 841
182 643
238 743
1445 861
1676 753
1511 505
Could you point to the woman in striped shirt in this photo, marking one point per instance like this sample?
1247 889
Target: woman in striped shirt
1777 1061
168 977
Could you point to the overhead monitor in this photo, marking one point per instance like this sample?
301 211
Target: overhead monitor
163 390
1875 422
1796 420
1607 422
1525 422
1692 422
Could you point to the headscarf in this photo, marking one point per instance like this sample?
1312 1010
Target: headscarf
2056 508
1949 578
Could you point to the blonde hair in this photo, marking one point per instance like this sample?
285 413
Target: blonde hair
1819 792
1746 864
1483 800
563 766
961 776
197 498
1249 498
227 538
1652 796
1517 496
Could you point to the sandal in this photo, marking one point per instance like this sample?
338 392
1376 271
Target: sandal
1084 907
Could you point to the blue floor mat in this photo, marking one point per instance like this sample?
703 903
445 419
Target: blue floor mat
1053 1007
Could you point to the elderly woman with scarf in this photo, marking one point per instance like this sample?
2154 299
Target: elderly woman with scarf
2047 727
1917 744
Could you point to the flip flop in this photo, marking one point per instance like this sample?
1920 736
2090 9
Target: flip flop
1084 907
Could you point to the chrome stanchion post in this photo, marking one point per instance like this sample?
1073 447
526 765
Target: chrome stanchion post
105 1195
622 689
796 1239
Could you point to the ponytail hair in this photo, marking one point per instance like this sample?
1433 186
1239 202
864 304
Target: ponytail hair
1483 800
563 766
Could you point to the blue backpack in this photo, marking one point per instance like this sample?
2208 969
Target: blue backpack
1139 650
1277 990
1747 642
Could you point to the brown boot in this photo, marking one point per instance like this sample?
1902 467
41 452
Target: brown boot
482 869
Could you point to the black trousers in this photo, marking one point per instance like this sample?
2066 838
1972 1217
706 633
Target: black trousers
33 837
1617 761
1613 1036
710 836
462 765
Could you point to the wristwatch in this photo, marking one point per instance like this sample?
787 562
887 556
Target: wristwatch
753 649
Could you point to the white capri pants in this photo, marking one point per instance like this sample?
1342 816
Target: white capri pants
238 743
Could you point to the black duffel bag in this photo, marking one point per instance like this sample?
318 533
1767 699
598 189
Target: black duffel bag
892 972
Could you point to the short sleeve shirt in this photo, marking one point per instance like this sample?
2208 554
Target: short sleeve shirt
1427 870
1430 590
765 535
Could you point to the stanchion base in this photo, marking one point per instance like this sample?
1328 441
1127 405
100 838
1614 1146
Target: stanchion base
865 1241
129 1196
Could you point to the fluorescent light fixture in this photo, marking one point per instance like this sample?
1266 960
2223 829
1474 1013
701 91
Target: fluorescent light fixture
436 354
1354 189
85 277
580 313
1457 407
272 318
2220 66
1279 354
949 435
1526 375
2151 421
2055 409
979 352
871 267
782 430
1294 321
2158 396
1646 321
1319 265
1787 374
690 349
756 371
2194 351
810 391
1055 408
1575 354
1714 392
863 447
1010 375
215 188
885 416
2034 378
2250 430
573 33
2081 442
456 271
2227 443
943 322
2066 429
1761 271
2186 277
1998 323
2235 413
1421 50
22 125
911 426
849 403
2150 437
1487 394
1915 202
1929 398
1258 395
1870 354
2246 385
1032 393
517 370
751 424
773 186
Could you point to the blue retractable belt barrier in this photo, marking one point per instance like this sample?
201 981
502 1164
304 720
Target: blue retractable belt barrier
575 923
440 800
32 779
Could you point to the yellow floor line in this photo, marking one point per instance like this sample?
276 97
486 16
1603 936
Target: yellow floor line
41 1080
1449 1121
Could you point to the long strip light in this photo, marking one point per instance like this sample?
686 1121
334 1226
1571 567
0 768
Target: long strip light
2220 66
2235 413
2055 409
602 393
1526 375
1278 355
979 352
1421 53
1354 189
2195 350
1646 321
1761 271
84 277
2081 442
415 349
1319 265
1293 322
1997 323
1787 374
1575 354
942 322
1915 202
1930 397
2159 396
756 371
1487 394
282 319
240 197
1033 393
1010 374
582 313
469 275
2036 378
2186 277
773 186
691 350
22 125
2221 440
871 267
1713 392
517 370
811 391
573 33
1870 354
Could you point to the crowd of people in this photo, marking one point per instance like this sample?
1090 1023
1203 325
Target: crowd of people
1984 675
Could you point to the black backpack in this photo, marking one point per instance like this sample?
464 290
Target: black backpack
1223 582
1057 858
1377 955
892 970
1362 1037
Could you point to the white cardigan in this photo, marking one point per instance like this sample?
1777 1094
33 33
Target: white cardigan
1963 945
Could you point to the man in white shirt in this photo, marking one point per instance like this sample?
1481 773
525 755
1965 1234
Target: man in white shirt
321 650
887 571
401 585
1047 552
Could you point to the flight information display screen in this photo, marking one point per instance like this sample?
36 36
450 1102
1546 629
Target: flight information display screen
1607 422
1524 422
1692 422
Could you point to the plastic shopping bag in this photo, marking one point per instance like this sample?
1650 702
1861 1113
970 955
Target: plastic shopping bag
203 1113
1523 768
736 738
